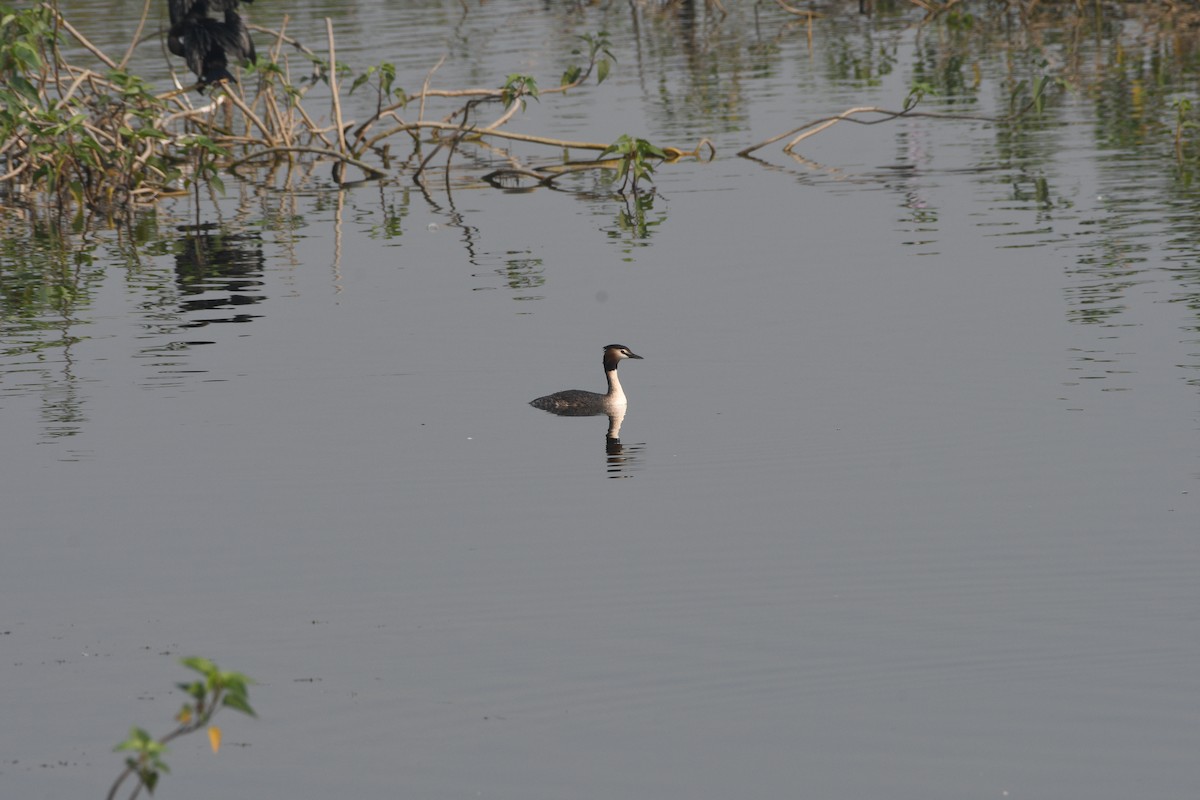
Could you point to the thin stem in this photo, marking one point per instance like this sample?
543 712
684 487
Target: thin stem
333 86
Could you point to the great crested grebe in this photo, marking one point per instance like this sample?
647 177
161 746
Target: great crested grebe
577 402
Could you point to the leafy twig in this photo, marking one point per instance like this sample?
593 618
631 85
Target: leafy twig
216 690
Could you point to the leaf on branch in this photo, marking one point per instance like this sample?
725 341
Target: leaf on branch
237 701
138 740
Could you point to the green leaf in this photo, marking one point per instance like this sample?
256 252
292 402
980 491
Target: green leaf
650 149
602 68
234 681
387 76
138 740
195 689
149 779
27 55
622 146
24 87
238 703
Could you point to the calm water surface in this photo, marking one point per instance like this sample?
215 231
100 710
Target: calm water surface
905 505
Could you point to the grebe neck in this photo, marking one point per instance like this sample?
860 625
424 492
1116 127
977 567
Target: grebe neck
616 395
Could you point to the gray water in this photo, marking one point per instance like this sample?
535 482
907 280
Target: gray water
905 503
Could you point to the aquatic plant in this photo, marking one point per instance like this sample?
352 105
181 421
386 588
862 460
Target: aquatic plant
215 690
635 159
600 58
73 136
1183 124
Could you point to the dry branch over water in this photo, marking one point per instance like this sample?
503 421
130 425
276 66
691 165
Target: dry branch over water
850 115
97 137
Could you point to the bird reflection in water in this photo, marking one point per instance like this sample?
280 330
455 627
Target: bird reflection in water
621 460
217 271
218 276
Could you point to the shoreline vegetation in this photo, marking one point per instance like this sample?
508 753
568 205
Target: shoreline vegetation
97 140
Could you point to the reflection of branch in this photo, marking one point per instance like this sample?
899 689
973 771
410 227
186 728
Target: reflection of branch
815 166
321 151
704 151
800 12
496 177
809 16
819 125
932 9
519 137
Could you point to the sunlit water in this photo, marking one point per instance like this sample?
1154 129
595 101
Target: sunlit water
908 483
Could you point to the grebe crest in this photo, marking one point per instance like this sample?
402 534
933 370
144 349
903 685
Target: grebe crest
580 403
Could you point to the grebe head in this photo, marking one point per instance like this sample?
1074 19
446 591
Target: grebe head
614 353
